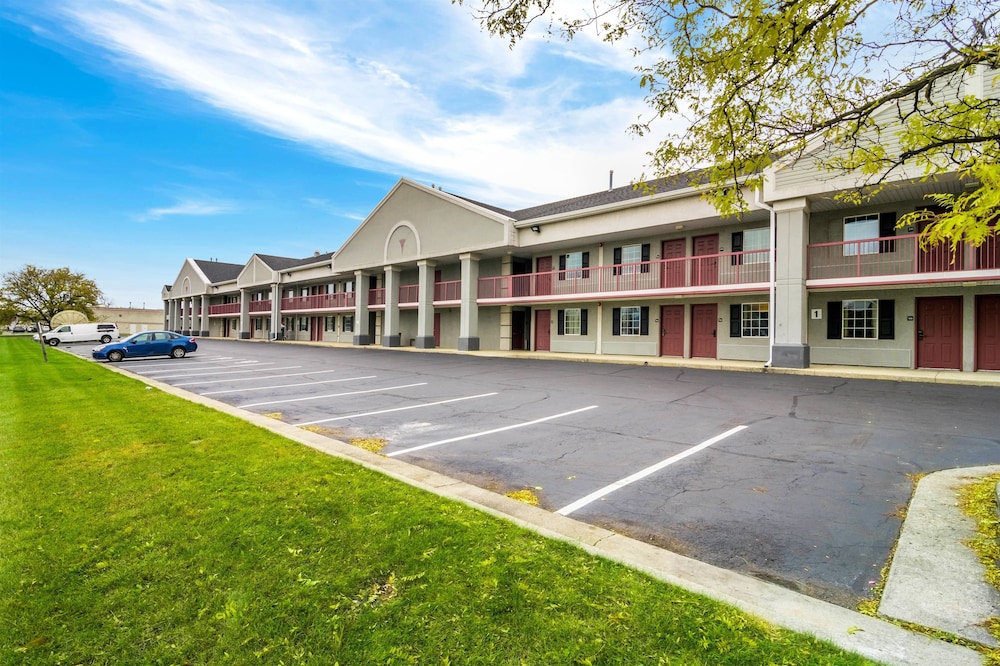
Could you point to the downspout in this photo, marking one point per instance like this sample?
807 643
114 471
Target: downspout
773 233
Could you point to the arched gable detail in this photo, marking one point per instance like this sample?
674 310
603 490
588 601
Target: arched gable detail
402 242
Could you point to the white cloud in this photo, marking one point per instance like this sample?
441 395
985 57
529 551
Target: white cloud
414 87
191 208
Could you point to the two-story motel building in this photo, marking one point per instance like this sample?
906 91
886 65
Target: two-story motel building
802 278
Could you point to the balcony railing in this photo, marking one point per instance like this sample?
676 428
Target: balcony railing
715 272
226 308
901 259
409 294
343 299
260 306
376 296
448 291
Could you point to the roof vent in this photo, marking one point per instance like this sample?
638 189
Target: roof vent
611 180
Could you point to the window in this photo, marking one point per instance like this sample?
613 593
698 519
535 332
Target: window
303 323
749 320
631 320
570 263
631 255
861 319
329 323
572 321
862 227
258 323
348 324
755 239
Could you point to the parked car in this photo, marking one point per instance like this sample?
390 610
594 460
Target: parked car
147 343
17 328
71 333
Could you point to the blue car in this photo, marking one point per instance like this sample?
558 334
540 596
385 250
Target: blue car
147 343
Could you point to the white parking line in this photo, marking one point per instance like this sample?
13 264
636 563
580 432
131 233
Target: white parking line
227 372
332 395
264 388
395 409
172 366
642 474
253 379
490 432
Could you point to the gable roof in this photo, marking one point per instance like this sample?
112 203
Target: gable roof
217 271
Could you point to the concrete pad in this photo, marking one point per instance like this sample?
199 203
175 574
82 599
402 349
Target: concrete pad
934 579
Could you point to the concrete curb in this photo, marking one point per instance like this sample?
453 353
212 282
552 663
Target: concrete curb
864 635
934 579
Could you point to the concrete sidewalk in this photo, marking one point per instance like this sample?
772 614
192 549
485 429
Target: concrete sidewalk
873 638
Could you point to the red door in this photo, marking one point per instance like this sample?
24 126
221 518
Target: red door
542 331
988 332
704 327
705 271
437 329
316 329
939 332
543 283
672 330
673 271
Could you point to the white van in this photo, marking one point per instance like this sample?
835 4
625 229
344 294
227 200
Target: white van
69 333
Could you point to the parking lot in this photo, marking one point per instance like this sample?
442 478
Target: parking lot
800 480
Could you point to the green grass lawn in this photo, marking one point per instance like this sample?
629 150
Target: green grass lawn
138 528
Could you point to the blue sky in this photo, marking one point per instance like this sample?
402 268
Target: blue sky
136 134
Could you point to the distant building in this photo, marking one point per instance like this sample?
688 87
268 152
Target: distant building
131 320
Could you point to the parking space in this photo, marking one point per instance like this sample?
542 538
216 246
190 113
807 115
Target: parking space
795 479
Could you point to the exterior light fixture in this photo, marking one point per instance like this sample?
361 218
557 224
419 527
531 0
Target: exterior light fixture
537 229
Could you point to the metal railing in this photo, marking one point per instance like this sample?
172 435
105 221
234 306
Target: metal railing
224 309
260 306
723 269
344 299
450 290
898 255
409 293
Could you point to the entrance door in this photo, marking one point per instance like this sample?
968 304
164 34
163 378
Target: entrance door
704 326
672 330
939 332
316 329
519 329
988 332
542 331
673 271
705 271
437 329
543 283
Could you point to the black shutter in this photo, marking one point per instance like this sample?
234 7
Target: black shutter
887 227
373 282
645 258
561 318
834 320
562 266
735 324
886 320
586 264
618 260
616 321
583 321
644 320
737 245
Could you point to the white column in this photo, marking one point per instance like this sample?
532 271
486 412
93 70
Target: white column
244 314
391 333
425 305
468 335
204 316
361 336
275 310
790 348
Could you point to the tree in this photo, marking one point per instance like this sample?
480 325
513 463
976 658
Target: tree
38 294
764 80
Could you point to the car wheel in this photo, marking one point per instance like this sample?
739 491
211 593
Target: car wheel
115 355
53 342
105 339
178 352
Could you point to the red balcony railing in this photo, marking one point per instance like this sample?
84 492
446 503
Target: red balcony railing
676 275
899 256
260 306
344 299
409 293
376 296
448 291
227 308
